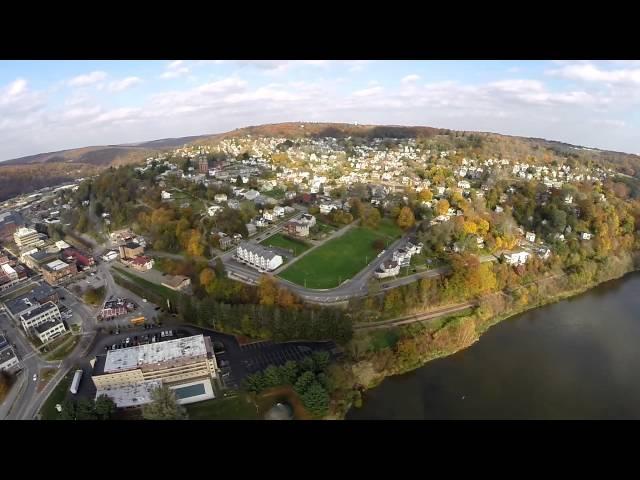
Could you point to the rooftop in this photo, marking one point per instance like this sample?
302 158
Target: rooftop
154 353
258 250
38 310
132 245
48 325
133 395
174 280
57 265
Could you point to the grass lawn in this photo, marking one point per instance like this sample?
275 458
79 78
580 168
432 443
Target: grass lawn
64 349
46 374
239 407
337 260
58 395
288 243
389 228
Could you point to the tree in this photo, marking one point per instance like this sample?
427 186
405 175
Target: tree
207 279
406 219
442 207
267 290
321 359
289 372
5 384
316 399
304 382
371 217
425 195
272 376
163 406
104 407
85 410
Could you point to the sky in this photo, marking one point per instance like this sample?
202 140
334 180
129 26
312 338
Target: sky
54 105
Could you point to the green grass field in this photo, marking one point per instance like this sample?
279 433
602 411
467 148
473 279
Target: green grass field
58 395
288 243
232 408
339 259
65 348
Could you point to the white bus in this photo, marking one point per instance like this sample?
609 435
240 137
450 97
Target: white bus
76 382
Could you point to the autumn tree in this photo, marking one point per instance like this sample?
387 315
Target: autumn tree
425 195
208 279
406 219
442 207
371 217
267 290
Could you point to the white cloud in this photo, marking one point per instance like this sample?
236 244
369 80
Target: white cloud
589 72
87 79
410 79
175 69
125 83
367 92
16 87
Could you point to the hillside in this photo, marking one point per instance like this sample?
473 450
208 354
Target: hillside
20 175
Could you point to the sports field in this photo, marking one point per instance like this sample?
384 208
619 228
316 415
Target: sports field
339 259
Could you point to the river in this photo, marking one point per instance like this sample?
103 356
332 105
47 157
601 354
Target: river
575 359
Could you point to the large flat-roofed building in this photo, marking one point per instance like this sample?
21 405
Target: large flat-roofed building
36 260
130 250
9 223
130 396
49 330
58 270
177 282
37 296
172 361
8 358
27 237
258 257
38 315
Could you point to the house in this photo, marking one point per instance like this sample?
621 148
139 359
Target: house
225 241
389 268
49 330
568 199
464 184
220 197
297 228
251 228
278 211
81 259
544 253
402 256
258 257
326 208
213 210
177 282
530 237
251 194
290 194
141 263
310 220
586 236
110 255
130 250
261 222
233 203
499 209
166 195
516 258
269 215
559 237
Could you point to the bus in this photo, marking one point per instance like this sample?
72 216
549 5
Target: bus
76 382
137 321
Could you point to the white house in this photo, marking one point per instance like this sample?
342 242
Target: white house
464 184
269 215
261 222
258 257
278 211
530 236
251 194
516 258
544 253
568 199
586 236
326 208
166 195
213 209
310 220
389 268
220 197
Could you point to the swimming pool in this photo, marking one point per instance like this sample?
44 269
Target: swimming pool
190 391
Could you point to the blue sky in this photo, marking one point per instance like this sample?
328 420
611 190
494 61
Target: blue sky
54 105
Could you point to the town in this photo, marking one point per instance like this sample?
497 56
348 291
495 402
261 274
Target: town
96 279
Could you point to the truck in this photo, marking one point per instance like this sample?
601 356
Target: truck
76 382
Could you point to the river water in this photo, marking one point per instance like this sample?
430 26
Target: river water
575 359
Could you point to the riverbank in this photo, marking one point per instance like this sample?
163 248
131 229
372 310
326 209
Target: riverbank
411 347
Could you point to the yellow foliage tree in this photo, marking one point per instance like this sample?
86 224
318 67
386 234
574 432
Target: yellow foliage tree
406 219
425 195
207 279
443 207
267 290
469 227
